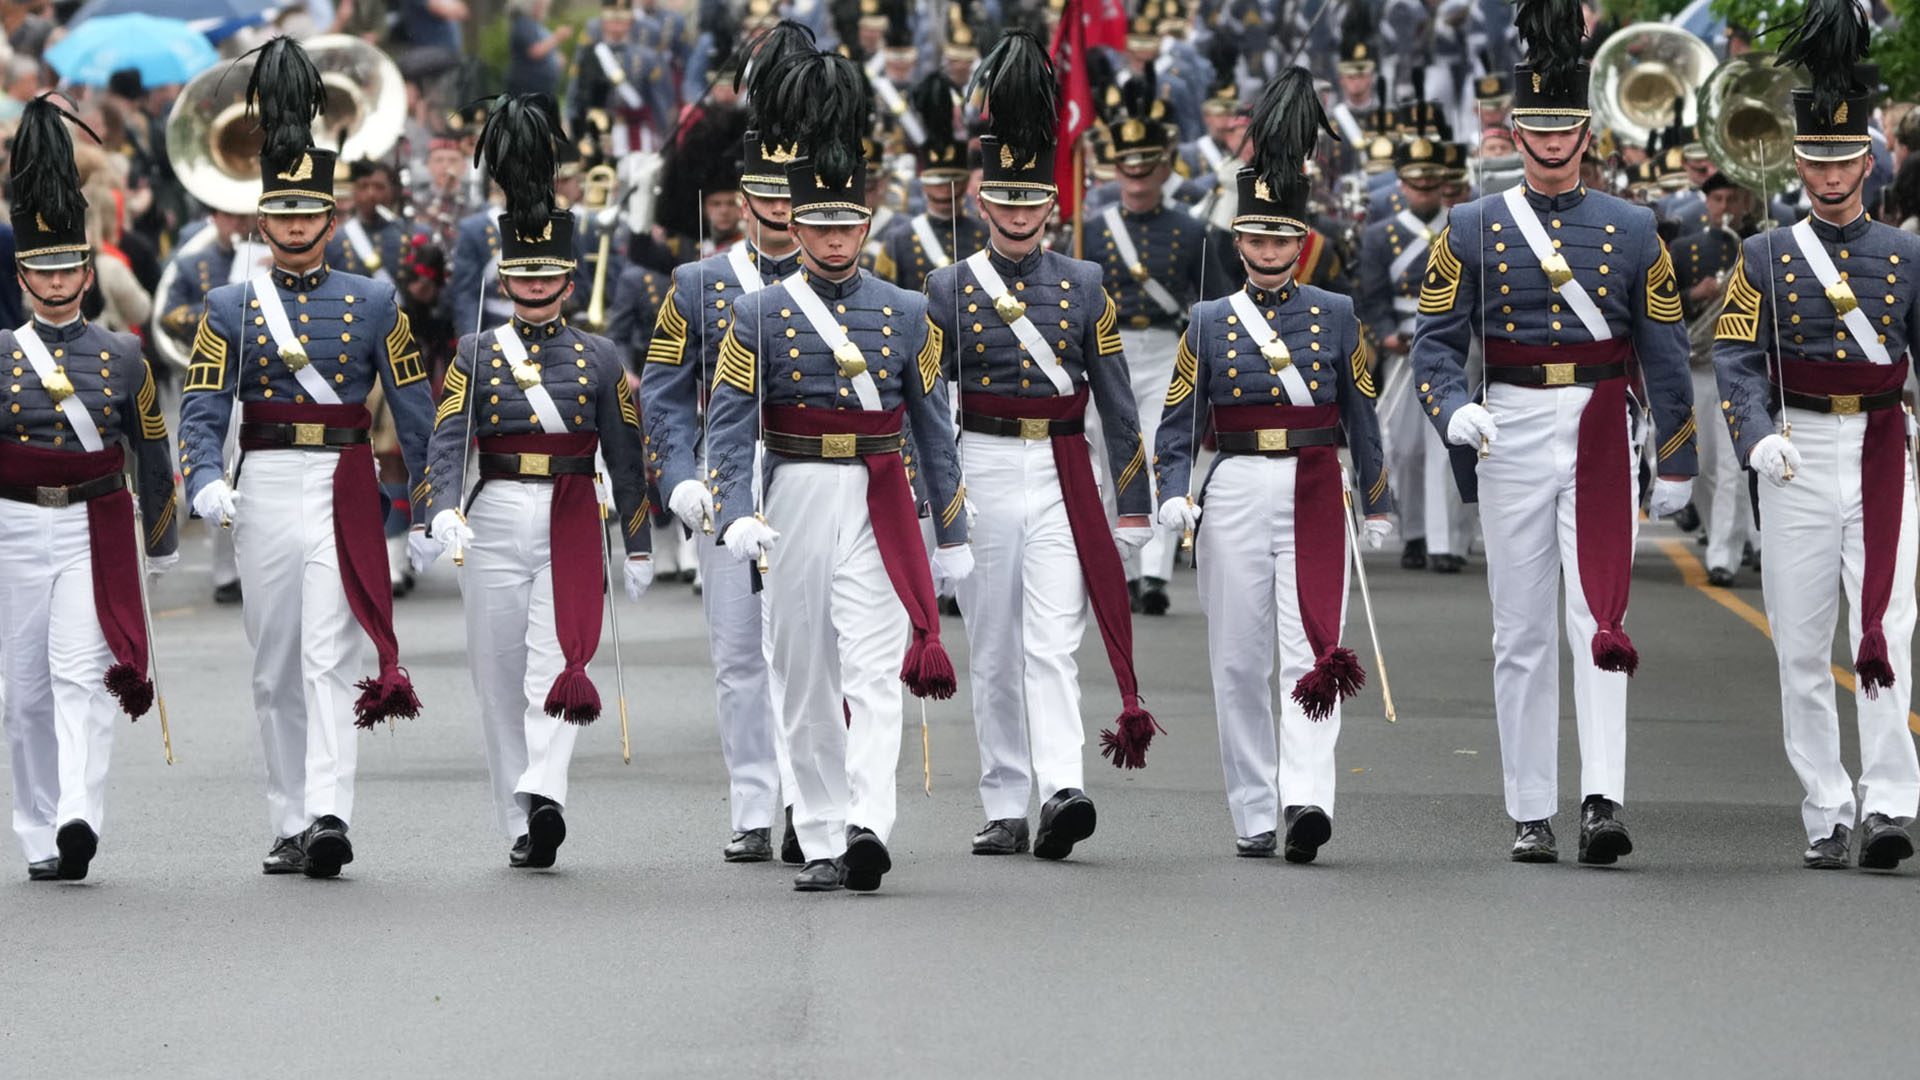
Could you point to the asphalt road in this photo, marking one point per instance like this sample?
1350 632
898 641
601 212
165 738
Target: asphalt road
1413 948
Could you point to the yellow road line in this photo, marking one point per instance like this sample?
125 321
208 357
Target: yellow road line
1694 575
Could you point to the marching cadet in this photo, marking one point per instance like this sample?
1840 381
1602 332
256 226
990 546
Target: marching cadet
371 240
1704 262
1272 559
832 368
1393 262
1812 352
301 346
76 651
944 231
681 359
1209 155
1564 286
617 73
541 397
1359 66
477 301
1150 257
1026 333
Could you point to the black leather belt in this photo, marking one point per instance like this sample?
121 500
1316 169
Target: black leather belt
301 436
534 466
64 495
1555 374
831 447
1841 404
1021 428
1274 440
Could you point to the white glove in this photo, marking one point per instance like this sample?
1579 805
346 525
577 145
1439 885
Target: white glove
972 511
216 503
1374 531
158 565
748 537
951 566
692 503
1131 538
1669 496
1179 514
1776 459
453 532
639 575
1471 424
421 549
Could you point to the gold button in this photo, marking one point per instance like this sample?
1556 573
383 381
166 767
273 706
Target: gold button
1843 253
1556 324
1603 269
1793 298
1502 267
1509 328
1785 259
796 376
1501 246
1496 227
1233 320
1602 290
1232 372
1609 228
719 286
1556 223
1841 353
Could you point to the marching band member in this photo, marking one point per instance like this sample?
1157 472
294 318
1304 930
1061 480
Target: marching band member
1279 371
75 649
1812 350
841 368
541 397
944 232
1564 286
1027 333
1704 262
301 347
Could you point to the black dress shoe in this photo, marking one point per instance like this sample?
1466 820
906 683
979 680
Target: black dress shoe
1133 595
1414 555
1448 564
1687 518
1883 843
1153 597
1065 820
1830 853
790 844
227 594
546 831
1308 827
1533 842
285 858
44 870
866 860
327 847
1256 847
517 858
749 845
1720 578
1603 836
1002 836
949 605
820 875
77 843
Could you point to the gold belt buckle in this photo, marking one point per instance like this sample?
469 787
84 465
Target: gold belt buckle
53 498
1558 374
309 434
1845 404
1035 429
536 464
1270 439
837 446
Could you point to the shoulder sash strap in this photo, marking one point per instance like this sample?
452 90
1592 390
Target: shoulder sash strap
1258 329
515 351
982 266
74 409
364 250
929 241
617 75
314 383
1130 255
1349 127
1574 293
828 328
897 105
1823 270
744 269
1419 237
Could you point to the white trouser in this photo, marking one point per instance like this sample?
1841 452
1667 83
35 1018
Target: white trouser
1025 606
1405 449
1448 526
744 690
59 715
839 634
1728 513
1527 515
512 647
1150 355
1250 593
308 651
1813 538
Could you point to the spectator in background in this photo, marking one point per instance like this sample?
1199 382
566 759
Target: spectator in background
28 23
430 24
535 64
124 306
23 81
11 313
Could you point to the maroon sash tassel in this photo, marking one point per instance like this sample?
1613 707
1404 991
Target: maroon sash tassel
1126 743
360 543
926 669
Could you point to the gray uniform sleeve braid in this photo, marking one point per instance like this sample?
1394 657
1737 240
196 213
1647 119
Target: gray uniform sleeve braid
670 393
206 405
1660 343
447 449
408 397
1185 409
1449 300
930 423
1112 387
732 427
146 433
1742 340
618 422
1361 424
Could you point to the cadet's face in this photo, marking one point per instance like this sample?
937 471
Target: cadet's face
297 232
1019 222
1833 183
1728 204
723 213
1141 179
832 248
778 211
372 190
940 197
1423 196
443 165
1268 256
540 292
1356 88
57 288
1700 171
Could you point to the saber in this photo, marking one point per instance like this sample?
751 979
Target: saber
153 659
926 752
1366 603
613 615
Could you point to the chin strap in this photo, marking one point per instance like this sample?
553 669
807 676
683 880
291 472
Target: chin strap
506 286
298 249
1545 163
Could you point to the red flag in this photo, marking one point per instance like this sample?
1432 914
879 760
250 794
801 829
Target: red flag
1104 23
1076 94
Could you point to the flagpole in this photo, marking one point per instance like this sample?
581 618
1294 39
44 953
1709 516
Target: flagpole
1079 215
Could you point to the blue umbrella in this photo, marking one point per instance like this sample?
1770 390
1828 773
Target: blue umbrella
210 11
163 51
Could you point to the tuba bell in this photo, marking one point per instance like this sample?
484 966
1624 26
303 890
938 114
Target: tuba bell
1638 74
1746 121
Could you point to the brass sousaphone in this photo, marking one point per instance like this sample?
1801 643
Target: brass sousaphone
1639 72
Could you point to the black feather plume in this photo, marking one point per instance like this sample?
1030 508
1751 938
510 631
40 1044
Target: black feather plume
1016 83
1551 31
704 159
1831 37
286 94
1137 96
824 103
933 99
44 179
1357 24
520 145
764 55
1223 54
1285 124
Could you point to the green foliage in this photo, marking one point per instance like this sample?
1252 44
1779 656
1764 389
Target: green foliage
1757 15
1629 12
1897 51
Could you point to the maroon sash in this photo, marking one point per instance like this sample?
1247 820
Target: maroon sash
1602 490
115 560
360 544
926 668
1106 580
574 541
1319 549
1883 470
